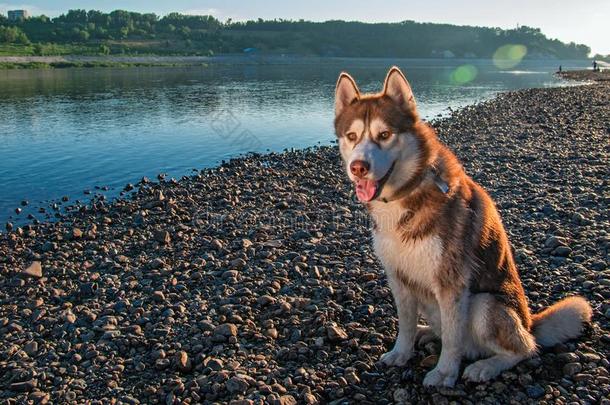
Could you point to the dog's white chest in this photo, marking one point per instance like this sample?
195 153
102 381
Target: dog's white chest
416 260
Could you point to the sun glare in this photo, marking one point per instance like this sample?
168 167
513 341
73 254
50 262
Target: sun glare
464 74
509 56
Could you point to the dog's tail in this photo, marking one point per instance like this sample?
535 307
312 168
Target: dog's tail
561 321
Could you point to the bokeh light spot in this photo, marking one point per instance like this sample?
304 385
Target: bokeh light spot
509 56
464 74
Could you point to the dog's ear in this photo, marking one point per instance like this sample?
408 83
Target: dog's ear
346 92
398 89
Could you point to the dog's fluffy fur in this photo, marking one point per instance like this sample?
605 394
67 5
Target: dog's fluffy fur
444 249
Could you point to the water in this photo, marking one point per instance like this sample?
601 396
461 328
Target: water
66 131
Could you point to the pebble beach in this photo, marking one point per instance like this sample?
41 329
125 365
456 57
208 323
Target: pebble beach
255 282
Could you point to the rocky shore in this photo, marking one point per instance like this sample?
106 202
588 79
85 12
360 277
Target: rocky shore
255 282
586 75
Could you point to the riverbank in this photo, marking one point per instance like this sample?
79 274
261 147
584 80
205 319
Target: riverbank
62 61
68 61
99 64
256 280
37 62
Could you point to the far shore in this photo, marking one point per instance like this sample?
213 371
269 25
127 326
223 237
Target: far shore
38 62
104 58
66 61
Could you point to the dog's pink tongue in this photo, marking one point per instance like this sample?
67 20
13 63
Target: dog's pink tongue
366 189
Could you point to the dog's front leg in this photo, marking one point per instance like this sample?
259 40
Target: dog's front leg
406 305
453 307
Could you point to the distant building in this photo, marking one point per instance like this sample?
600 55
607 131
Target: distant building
15 15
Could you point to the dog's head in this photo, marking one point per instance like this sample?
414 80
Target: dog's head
376 135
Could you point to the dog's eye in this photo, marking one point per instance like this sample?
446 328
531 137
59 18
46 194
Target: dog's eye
351 136
384 135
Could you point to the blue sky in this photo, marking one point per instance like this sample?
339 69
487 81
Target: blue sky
568 20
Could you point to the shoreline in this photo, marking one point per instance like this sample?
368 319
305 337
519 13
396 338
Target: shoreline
256 281
97 64
68 61
64 61
585 75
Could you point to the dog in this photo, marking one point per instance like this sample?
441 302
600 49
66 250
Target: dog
441 241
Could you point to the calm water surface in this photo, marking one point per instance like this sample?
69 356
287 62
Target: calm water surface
66 131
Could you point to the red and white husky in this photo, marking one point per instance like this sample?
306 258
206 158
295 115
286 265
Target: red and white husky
441 241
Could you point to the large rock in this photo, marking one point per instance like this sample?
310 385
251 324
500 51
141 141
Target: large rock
183 363
162 236
572 368
223 332
335 333
25 386
33 270
553 241
237 385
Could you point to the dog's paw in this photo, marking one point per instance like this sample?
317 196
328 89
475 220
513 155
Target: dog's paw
438 378
481 371
395 357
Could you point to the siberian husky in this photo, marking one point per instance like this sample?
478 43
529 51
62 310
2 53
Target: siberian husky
440 239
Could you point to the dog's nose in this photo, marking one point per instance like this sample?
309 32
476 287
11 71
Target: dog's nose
359 168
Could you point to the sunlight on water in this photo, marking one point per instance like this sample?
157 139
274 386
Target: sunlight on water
509 56
521 72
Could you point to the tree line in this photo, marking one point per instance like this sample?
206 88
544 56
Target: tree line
125 31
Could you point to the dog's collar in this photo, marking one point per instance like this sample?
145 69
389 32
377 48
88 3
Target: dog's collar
433 173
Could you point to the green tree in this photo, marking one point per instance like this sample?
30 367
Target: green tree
338 38
104 49
185 32
83 36
13 35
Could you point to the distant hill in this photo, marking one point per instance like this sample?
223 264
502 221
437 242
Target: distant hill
95 32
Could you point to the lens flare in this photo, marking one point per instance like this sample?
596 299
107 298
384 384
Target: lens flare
464 74
509 56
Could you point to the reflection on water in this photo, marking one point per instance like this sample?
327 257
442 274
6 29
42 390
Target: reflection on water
63 131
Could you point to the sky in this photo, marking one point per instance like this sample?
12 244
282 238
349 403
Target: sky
583 22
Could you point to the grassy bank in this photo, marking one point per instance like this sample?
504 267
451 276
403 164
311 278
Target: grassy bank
48 49
114 48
